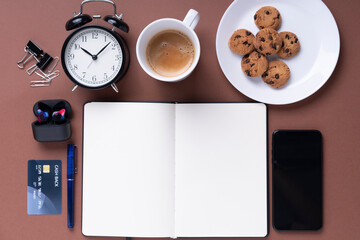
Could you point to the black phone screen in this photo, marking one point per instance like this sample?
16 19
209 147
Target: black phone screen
297 179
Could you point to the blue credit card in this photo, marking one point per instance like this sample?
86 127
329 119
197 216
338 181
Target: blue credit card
44 187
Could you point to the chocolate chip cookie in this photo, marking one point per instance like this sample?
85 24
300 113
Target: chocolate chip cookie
254 64
267 42
277 74
242 41
267 17
291 45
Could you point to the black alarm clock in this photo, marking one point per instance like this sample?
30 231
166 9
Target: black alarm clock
94 56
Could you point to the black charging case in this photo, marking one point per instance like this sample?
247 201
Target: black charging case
52 131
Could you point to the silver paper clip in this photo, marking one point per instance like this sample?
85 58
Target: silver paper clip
45 79
46 62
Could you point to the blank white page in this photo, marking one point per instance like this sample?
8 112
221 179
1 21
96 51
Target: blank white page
221 170
128 169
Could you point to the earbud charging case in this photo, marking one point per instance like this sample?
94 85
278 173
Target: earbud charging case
51 131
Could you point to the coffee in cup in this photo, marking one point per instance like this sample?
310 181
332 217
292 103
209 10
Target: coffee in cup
168 49
170 53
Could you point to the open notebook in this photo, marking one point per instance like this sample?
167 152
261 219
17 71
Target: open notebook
174 169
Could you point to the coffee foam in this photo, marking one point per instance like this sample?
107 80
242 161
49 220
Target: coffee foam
170 53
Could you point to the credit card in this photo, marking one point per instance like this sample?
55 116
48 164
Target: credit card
44 187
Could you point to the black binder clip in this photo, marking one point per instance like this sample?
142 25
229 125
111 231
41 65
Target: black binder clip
31 51
42 67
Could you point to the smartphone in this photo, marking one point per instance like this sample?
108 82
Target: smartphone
297 179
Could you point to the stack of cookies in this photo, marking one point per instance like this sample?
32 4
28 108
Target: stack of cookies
266 43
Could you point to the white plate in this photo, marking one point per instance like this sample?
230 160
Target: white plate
317 31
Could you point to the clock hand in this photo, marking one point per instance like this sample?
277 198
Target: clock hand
94 57
90 63
102 49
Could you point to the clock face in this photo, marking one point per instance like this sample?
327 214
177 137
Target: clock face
92 56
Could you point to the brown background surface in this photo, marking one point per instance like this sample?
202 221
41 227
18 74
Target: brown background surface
334 109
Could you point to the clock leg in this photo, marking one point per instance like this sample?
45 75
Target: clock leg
75 87
114 87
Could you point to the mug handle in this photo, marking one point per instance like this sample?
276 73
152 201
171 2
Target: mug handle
191 19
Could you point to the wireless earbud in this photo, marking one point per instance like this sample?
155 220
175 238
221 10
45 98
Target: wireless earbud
58 116
42 116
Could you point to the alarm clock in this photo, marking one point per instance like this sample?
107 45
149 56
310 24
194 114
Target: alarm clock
94 56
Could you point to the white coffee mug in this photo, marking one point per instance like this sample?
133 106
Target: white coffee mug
186 26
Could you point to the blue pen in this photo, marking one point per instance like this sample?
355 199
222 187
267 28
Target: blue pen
70 183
